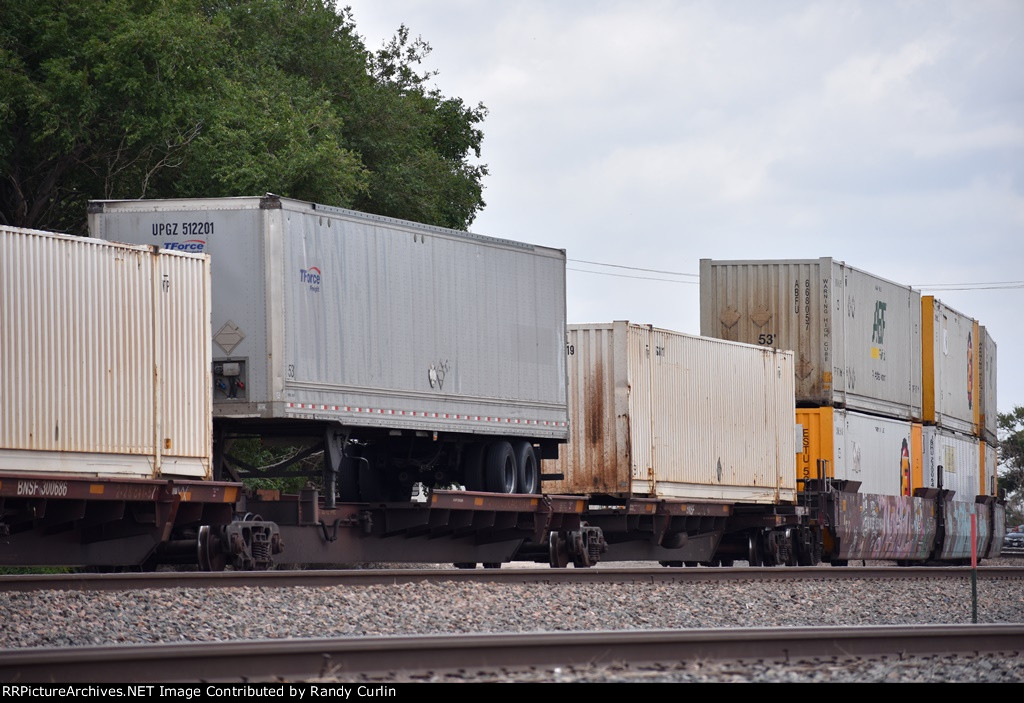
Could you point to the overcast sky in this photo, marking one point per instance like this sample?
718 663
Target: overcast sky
653 134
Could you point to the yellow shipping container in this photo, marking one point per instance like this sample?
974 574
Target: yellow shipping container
882 454
950 368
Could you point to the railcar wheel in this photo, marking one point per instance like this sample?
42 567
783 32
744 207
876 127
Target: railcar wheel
465 565
500 469
527 471
558 551
209 554
755 554
788 548
492 564
808 547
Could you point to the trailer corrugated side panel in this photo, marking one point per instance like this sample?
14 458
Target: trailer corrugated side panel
857 337
877 452
367 320
957 458
989 410
952 372
103 366
456 325
659 413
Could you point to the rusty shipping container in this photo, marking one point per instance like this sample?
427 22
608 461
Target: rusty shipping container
878 453
857 337
105 358
660 413
951 370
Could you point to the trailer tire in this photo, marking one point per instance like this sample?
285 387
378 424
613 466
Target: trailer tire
527 471
500 468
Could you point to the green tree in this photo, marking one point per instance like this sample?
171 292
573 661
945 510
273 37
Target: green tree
1011 462
96 98
193 98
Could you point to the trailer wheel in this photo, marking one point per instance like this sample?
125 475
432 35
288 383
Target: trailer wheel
527 473
500 469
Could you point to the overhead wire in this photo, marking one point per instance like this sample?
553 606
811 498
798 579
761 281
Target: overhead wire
626 275
982 285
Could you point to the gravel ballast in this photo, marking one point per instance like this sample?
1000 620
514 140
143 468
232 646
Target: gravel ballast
72 618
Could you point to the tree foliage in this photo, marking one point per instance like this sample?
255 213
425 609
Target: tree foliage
197 98
1011 461
1011 449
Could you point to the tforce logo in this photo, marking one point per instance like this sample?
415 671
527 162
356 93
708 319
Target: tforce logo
311 277
195 246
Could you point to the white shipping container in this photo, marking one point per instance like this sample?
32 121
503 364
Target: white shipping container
951 370
877 452
857 337
659 413
989 469
989 409
104 358
953 458
329 314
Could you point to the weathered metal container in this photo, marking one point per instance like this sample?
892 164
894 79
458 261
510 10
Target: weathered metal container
857 337
325 313
955 460
989 469
951 369
659 413
879 453
104 360
988 376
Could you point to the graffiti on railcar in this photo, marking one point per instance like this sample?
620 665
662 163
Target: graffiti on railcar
957 542
884 527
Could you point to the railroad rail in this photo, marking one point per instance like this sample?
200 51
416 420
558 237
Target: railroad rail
365 577
343 658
